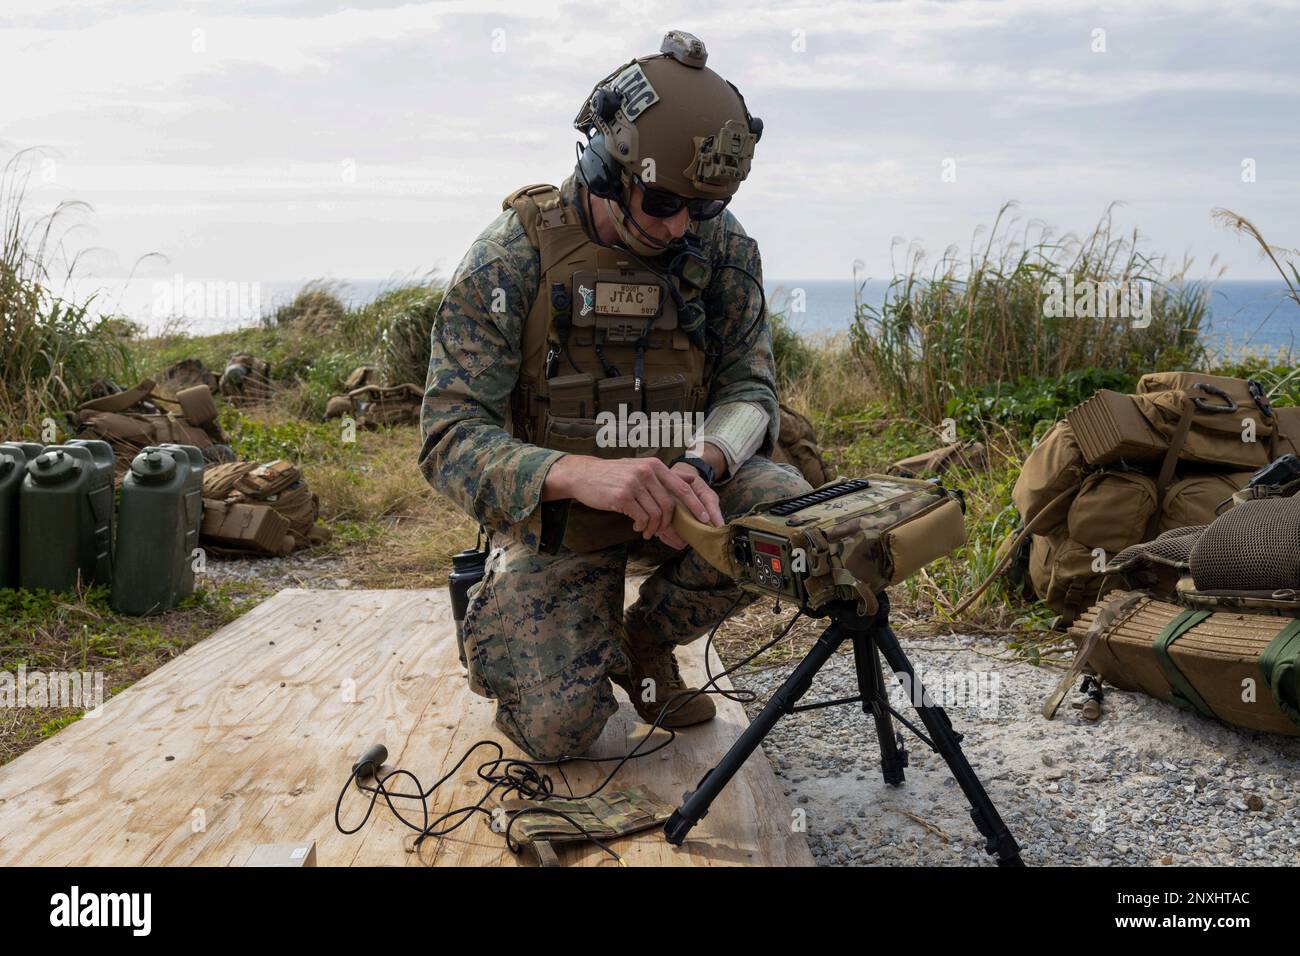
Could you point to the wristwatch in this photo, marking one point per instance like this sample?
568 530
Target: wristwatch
700 465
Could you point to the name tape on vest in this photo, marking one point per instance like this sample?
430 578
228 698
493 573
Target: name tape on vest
626 298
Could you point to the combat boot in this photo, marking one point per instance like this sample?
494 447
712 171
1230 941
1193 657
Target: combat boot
655 661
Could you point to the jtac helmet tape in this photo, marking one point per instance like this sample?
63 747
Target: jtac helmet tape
671 121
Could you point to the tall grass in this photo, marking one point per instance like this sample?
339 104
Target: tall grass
982 323
315 309
51 348
405 318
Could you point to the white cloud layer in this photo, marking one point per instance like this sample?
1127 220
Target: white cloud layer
291 138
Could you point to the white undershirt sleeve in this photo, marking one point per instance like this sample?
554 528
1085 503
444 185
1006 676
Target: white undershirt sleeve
737 429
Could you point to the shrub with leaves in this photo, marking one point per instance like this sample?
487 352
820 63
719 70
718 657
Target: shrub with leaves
972 325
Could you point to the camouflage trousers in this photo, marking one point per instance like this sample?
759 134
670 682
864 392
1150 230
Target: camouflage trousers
542 632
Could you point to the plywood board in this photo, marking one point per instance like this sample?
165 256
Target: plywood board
248 737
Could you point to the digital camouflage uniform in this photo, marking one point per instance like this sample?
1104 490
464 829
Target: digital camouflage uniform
542 631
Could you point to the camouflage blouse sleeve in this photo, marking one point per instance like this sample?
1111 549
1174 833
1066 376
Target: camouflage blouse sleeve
744 370
473 367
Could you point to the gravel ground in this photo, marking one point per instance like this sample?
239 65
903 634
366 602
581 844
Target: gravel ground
1147 784
301 570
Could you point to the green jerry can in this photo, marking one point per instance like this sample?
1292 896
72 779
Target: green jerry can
13 468
158 529
65 517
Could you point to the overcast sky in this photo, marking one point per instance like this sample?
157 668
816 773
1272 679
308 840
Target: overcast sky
253 140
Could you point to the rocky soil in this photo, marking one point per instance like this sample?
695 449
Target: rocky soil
300 570
1147 784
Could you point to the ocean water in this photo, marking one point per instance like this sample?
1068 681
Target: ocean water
1245 314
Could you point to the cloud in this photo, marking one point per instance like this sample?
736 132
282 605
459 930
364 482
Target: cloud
225 147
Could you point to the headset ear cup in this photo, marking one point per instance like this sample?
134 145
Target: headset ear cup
598 172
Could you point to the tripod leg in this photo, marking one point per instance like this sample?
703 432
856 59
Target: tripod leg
997 838
875 701
696 803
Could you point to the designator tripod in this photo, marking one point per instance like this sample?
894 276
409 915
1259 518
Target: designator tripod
872 637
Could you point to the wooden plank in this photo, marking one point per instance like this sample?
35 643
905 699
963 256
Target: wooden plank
248 737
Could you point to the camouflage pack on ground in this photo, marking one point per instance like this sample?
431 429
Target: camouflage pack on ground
246 382
605 816
796 444
1243 669
1123 469
373 405
251 508
131 420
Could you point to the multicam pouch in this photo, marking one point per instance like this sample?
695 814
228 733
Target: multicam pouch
846 540
605 816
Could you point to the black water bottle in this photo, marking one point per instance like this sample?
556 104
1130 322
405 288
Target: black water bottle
466 571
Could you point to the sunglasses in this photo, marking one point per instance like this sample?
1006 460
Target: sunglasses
662 204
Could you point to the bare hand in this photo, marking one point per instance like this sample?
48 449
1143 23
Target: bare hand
644 489
710 498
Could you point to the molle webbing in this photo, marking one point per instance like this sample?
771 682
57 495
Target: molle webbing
1280 665
564 250
1184 694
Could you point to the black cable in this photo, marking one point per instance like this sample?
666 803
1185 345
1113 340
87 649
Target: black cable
523 776
762 305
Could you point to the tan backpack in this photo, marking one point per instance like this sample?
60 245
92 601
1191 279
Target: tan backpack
246 382
1121 469
259 509
136 418
374 405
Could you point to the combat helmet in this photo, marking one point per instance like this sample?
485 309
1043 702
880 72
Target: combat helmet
670 121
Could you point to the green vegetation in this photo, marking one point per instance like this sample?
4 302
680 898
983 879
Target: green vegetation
51 349
78 633
982 325
313 343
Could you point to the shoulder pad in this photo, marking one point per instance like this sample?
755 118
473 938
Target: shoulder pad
536 192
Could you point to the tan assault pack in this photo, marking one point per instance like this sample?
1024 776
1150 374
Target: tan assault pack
133 419
373 405
1237 667
797 445
1122 469
249 508
1208 617
246 381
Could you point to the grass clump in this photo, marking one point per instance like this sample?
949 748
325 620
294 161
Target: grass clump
987 324
406 319
315 309
51 348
